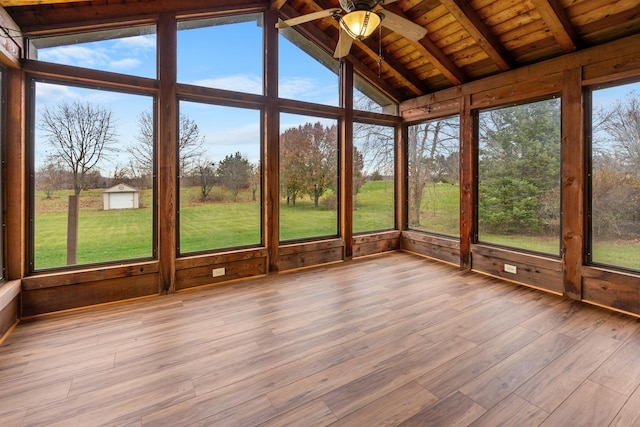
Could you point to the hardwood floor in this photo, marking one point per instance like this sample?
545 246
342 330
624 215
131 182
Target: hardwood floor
389 340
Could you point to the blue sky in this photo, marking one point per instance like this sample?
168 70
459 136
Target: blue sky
225 56
222 56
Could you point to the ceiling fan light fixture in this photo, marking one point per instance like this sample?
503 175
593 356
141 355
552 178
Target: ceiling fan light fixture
360 24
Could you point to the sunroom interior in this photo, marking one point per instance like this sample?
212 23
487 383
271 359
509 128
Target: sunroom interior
504 142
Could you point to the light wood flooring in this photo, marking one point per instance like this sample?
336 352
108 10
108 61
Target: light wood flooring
387 340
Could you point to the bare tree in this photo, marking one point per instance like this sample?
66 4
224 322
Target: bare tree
80 135
204 169
425 142
189 144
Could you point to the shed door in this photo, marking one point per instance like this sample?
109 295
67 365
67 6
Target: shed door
121 201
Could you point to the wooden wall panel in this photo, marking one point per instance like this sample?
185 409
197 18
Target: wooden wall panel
9 305
533 270
611 289
198 270
300 255
369 244
9 316
437 247
46 300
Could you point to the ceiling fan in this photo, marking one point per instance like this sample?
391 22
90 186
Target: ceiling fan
360 21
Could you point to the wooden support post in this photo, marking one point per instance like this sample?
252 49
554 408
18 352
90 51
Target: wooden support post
271 144
468 181
166 153
72 229
573 182
346 158
16 175
401 163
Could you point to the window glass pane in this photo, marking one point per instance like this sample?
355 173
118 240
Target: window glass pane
83 145
306 73
373 177
615 182
368 98
130 50
434 174
308 177
519 176
208 53
219 157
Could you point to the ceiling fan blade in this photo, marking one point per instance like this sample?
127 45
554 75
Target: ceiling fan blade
344 45
402 26
308 17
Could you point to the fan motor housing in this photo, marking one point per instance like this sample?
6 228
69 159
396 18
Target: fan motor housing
351 5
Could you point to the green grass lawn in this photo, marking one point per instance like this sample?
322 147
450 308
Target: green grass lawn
106 236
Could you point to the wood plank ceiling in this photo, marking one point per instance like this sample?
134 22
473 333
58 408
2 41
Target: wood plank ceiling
466 40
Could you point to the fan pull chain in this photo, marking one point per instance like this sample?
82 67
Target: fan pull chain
379 51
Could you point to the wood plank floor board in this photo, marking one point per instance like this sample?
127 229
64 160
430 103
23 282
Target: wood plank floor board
452 411
629 415
453 374
314 413
512 411
603 406
556 381
317 385
385 340
179 370
502 379
617 373
392 409
364 390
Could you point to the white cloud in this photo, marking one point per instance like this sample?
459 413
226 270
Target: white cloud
125 64
297 87
136 43
239 82
75 55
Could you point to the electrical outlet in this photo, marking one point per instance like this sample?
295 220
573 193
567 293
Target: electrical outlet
217 272
511 268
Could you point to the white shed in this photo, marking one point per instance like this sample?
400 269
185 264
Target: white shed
121 196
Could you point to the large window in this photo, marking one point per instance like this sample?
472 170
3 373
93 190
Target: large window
223 53
519 176
615 178
92 198
373 177
130 50
306 72
308 177
219 168
433 149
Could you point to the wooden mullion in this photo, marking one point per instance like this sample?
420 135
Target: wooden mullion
400 182
468 181
271 144
346 158
167 153
573 183
15 181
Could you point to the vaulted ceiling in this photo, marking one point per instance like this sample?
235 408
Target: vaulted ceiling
466 39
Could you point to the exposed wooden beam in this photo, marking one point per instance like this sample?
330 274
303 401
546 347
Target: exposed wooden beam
277 4
86 14
434 54
11 3
469 19
554 15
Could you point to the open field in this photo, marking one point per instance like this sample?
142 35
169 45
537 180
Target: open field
106 236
